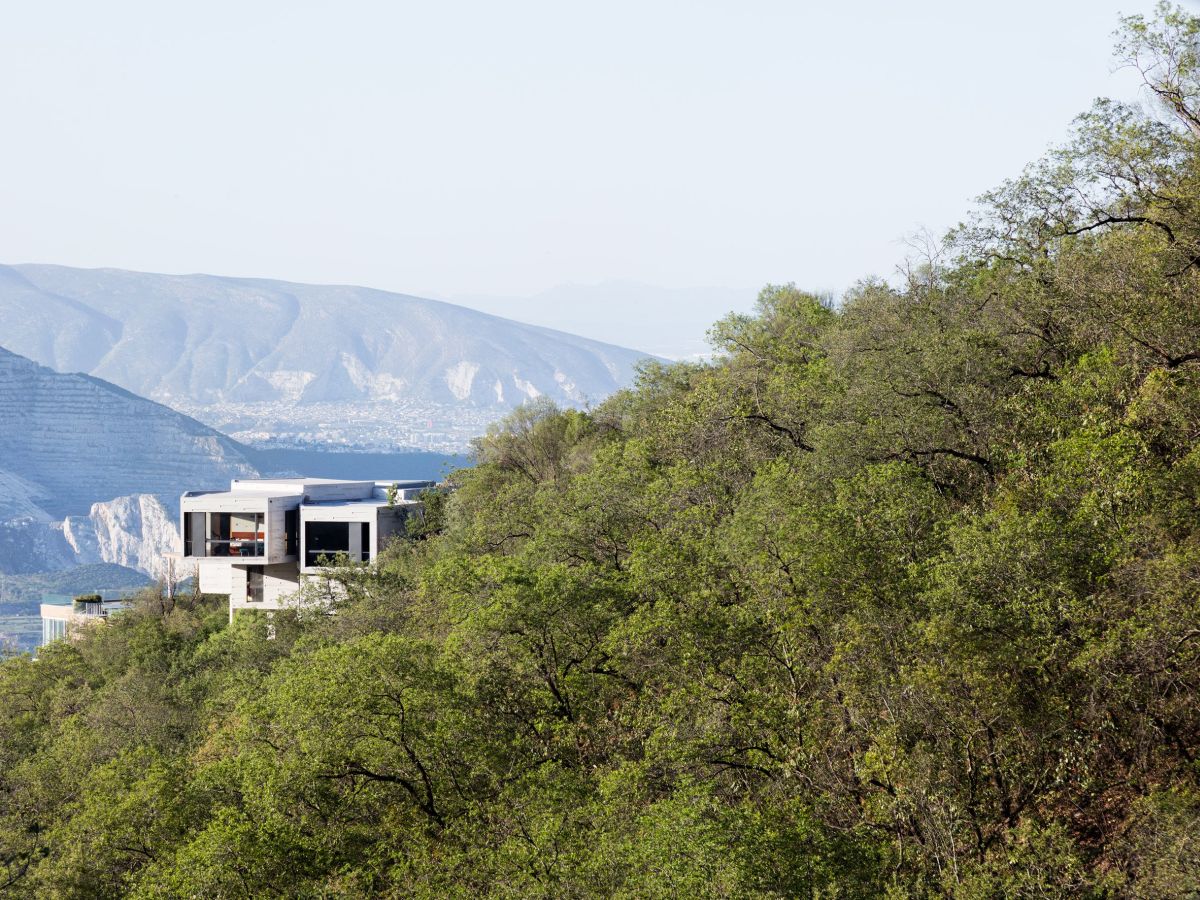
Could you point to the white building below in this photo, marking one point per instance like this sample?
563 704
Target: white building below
60 620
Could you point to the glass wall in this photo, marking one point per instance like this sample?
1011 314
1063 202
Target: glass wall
235 534
189 530
254 584
328 540
291 532
53 629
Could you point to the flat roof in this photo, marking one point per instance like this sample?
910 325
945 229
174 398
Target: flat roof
303 481
365 501
270 488
240 495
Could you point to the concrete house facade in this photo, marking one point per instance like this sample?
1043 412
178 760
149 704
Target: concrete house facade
257 541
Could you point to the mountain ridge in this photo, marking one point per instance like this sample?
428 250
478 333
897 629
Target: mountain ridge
89 471
201 339
71 439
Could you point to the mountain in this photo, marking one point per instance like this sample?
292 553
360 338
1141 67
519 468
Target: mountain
90 473
68 441
134 532
197 341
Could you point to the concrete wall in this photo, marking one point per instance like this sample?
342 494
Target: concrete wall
349 512
230 503
237 584
277 528
215 575
280 581
392 523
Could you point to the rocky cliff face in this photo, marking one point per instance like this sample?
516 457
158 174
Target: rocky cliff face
134 532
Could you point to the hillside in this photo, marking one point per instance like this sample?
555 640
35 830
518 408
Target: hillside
211 344
895 598
68 441
90 473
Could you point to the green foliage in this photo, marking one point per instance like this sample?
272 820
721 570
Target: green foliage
897 598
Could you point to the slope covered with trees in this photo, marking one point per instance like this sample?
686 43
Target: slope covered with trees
899 598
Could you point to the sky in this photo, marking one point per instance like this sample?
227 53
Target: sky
496 153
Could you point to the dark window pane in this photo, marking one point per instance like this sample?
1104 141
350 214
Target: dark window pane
291 531
254 584
325 539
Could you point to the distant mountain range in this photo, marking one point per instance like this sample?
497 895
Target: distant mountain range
91 466
204 340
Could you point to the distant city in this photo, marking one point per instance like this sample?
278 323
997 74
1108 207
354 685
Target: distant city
378 426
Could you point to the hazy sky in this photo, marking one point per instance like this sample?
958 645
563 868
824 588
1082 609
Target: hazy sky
466 149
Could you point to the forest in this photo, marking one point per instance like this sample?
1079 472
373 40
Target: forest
897 596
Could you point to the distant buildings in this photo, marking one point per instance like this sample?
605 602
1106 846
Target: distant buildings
60 620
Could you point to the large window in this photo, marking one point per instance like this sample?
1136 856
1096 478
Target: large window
330 539
235 534
291 532
53 629
193 533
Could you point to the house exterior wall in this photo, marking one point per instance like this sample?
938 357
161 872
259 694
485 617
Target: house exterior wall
350 512
62 620
216 576
237 584
202 504
280 582
391 522
277 528
317 500
231 503
335 491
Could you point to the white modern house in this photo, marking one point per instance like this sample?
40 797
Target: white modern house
258 540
